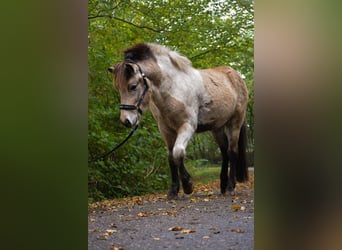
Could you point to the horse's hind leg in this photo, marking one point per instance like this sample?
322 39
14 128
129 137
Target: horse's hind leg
221 139
233 151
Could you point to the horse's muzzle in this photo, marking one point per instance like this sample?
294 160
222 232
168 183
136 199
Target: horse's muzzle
127 123
129 118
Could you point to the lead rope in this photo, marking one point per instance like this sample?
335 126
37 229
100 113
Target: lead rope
105 155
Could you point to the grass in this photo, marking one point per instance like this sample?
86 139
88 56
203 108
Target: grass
205 174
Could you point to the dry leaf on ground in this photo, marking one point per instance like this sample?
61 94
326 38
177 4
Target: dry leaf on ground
143 214
238 230
237 207
175 229
110 231
188 231
117 248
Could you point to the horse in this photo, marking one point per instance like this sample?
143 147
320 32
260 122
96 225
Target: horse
184 100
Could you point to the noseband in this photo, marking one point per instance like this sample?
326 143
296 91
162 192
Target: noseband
141 98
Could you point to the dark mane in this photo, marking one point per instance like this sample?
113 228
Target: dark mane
139 52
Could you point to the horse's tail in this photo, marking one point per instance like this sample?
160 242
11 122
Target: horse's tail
242 162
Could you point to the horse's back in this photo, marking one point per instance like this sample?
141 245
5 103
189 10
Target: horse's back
224 74
226 95
225 83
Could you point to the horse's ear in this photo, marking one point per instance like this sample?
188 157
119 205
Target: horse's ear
114 69
111 69
129 69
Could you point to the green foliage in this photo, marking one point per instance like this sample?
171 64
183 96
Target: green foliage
210 33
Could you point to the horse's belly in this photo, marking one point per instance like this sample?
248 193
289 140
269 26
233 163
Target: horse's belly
209 119
205 121
204 127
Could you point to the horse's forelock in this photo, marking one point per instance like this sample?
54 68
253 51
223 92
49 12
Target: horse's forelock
122 72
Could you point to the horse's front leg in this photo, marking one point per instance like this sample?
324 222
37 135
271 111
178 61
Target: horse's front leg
184 134
174 189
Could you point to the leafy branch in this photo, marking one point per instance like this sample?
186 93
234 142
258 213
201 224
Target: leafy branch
125 21
203 53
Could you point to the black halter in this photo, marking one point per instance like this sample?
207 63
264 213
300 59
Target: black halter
141 98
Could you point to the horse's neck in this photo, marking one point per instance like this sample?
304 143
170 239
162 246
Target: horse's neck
186 87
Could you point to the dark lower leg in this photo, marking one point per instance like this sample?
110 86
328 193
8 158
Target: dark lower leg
185 177
174 189
224 170
231 179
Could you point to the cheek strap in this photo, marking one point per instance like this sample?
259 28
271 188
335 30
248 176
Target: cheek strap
141 98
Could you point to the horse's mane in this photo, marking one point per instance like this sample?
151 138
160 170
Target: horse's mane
150 51
139 52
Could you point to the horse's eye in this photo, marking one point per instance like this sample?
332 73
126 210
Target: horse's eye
133 87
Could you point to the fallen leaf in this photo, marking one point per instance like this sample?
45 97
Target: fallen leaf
143 214
188 231
92 219
175 229
104 236
110 231
206 237
155 238
117 248
238 230
170 213
237 207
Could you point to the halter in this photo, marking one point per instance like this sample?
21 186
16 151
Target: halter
127 107
141 98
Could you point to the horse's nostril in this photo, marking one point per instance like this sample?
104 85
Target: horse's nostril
127 123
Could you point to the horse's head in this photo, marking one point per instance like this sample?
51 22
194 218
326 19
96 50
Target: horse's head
132 85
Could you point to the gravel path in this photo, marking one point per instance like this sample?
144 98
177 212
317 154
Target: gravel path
203 220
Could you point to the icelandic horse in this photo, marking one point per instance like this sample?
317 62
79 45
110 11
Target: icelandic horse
185 100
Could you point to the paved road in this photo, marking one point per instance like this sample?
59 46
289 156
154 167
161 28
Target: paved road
204 220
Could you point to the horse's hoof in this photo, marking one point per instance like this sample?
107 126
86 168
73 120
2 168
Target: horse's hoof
231 190
188 188
172 196
232 193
